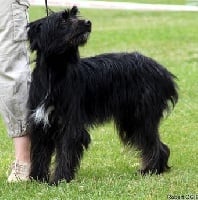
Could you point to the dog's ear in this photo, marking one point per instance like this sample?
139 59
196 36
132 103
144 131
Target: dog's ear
65 14
33 34
74 11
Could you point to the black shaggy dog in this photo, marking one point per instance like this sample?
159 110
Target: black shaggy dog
68 95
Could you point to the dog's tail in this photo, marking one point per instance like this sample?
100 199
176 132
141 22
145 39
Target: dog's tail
171 90
168 85
165 82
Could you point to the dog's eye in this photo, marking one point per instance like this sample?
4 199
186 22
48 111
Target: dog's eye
64 21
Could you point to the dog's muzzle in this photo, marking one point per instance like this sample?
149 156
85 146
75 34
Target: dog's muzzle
87 23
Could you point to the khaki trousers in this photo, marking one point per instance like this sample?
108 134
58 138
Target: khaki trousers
14 65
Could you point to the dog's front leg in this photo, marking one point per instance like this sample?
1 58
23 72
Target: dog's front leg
42 147
69 151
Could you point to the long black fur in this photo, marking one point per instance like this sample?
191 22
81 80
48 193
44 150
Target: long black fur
69 94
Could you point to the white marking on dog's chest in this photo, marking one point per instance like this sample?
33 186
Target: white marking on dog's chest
41 115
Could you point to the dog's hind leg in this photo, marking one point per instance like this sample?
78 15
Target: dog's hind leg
154 153
69 151
155 159
144 136
42 147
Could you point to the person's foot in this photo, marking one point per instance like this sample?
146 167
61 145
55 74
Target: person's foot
19 172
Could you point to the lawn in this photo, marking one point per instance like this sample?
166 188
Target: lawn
156 1
108 170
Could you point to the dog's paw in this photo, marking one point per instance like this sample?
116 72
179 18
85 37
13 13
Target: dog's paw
41 179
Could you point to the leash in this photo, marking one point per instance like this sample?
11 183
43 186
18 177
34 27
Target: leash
46 8
48 72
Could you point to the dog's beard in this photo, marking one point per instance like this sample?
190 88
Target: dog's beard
80 39
86 35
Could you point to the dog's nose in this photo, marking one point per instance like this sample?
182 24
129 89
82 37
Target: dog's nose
87 23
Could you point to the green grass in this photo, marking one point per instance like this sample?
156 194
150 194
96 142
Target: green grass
155 1
108 171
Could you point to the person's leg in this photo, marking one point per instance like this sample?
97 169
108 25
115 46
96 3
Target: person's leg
22 148
14 81
21 165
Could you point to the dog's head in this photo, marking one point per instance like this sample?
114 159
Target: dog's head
58 32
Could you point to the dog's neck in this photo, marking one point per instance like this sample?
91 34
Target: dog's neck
63 59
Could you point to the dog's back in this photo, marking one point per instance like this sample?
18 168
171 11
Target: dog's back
131 78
